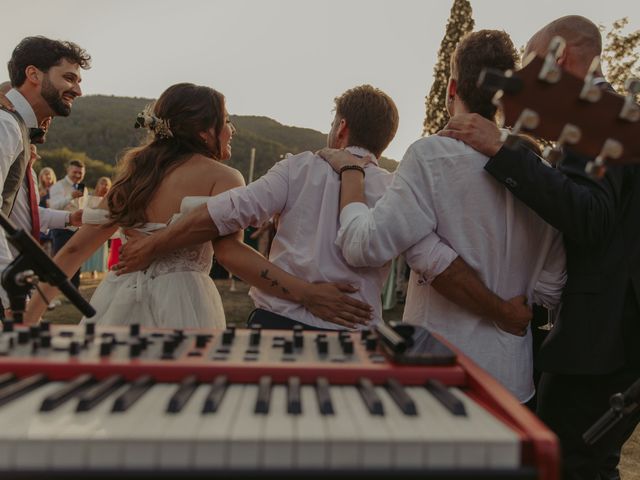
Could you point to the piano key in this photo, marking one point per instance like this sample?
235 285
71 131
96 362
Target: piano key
246 431
324 396
67 391
466 446
132 394
16 418
503 444
6 378
182 394
311 431
344 435
72 440
21 387
369 396
264 395
279 437
409 440
401 397
215 395
99 392
377 449
177 442
444 396
214 431
294 406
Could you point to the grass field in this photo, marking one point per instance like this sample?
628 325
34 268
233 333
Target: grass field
238 305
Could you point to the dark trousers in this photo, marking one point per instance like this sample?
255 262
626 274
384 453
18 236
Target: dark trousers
60 236
273 321
570 404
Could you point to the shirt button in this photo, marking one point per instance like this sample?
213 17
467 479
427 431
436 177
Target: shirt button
511 182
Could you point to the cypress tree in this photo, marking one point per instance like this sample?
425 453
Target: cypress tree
460 22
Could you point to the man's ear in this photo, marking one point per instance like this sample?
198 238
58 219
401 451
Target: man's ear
343 130
452 87
34 75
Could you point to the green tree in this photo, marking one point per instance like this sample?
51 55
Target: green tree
460 22
59 158
621 54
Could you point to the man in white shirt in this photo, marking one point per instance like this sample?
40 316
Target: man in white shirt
68 194
440 186
45 75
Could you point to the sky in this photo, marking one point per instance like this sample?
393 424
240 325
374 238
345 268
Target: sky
285 59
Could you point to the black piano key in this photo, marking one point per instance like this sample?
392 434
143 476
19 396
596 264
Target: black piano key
66 392
132 394
94 395
215 395
21 387
401 397
370 397
264 395
294 404
6 379
446 398
179 399
324 396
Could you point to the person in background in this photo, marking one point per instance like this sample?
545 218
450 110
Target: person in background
97 263
68 194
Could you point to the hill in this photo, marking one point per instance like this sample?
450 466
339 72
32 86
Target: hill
102 127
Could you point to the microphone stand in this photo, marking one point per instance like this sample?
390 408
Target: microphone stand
30 266
623 405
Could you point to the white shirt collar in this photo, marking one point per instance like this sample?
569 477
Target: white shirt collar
23 107
363 152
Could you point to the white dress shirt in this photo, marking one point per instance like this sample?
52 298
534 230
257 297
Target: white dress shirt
60 197
441 186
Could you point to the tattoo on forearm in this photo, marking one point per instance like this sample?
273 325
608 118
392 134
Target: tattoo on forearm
274 283
285 291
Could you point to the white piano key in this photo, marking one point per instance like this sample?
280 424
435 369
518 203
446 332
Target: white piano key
15 418
311 430
278 441
142 448
503 444
211 438
245 439
438 434
345 438
177 450
377 448
74 445
408 441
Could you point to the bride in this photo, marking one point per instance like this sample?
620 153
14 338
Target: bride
176 169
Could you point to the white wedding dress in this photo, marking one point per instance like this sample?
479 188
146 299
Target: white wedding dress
174 292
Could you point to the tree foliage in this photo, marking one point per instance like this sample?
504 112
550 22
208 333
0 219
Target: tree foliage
621 54
460 23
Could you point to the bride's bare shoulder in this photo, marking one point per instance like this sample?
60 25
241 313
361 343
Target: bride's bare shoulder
217 171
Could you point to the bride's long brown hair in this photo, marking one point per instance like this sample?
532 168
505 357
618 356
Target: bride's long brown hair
188 110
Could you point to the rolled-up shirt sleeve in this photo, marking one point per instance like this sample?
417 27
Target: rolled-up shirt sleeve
429 258
401 218
238 208
51 218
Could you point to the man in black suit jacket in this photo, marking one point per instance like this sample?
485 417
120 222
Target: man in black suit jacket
593 350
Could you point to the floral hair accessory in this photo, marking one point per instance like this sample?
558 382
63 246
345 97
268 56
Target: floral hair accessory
159 126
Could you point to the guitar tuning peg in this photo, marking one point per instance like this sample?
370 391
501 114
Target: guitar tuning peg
528 120
570 135
590 91
630 109
611 149
550 71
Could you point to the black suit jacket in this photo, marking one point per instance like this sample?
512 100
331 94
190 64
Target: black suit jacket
600 223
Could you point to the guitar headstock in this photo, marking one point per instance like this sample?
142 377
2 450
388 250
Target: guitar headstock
552 104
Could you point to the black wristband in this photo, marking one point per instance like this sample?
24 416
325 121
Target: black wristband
351 167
